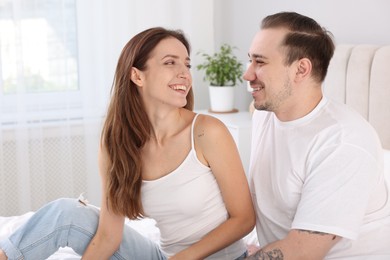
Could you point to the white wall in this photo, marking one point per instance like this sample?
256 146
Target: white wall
350 21
105 27
210 23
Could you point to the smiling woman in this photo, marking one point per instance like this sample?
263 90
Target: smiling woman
157 159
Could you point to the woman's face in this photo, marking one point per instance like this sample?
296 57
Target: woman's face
167 78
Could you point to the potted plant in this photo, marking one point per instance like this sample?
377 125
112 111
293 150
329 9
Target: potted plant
223 71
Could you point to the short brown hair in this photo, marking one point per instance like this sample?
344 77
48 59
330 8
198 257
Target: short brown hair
306 39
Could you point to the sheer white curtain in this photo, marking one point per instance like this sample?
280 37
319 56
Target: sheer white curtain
57 60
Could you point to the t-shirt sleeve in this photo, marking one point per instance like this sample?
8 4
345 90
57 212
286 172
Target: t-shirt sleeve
337 190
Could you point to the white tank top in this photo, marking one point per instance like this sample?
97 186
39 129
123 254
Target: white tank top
186 205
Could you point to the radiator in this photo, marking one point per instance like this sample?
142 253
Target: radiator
40 163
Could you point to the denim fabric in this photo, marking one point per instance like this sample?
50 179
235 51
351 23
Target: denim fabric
67 222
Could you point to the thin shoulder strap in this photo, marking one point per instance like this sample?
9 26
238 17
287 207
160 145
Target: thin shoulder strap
192 131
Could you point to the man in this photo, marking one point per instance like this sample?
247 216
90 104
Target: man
316 166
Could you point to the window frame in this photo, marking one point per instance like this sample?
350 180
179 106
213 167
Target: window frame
29 106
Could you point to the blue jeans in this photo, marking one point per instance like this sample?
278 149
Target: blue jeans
67 222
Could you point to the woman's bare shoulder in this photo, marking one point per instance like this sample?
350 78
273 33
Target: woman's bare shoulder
212 126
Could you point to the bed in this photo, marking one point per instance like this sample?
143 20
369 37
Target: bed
145 227
359 75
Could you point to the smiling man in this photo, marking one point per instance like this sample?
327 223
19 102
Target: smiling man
316 172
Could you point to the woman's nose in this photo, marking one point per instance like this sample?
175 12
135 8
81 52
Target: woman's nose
184 73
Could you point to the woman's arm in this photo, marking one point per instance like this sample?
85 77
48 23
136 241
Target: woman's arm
215 147
110 229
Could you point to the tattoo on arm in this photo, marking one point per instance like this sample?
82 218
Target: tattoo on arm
317 233
277 254
274 254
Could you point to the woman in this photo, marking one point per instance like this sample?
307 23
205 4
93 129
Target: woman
158 159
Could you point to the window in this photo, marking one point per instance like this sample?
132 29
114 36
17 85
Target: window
38 55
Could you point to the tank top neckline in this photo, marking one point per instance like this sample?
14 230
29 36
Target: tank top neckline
191 152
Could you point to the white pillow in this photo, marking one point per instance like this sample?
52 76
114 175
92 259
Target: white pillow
386 159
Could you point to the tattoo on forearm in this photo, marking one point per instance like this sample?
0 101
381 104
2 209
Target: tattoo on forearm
274 254
317 233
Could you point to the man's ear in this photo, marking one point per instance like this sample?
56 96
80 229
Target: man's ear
136 76
304 68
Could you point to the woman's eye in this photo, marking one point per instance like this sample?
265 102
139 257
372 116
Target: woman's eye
189 66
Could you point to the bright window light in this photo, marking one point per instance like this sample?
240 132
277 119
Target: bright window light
38 52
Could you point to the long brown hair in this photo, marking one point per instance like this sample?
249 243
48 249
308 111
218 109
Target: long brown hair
306 39
127 128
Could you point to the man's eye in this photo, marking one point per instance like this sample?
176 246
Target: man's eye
189 66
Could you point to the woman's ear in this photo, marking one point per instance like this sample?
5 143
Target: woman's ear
136 76
304 68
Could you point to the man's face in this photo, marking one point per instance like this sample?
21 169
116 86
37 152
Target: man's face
268 75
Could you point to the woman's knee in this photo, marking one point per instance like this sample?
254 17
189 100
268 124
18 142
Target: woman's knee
63 206
74 210
63 203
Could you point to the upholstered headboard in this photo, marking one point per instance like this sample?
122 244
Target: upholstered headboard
359 75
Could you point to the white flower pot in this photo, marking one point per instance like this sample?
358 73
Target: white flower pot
221 98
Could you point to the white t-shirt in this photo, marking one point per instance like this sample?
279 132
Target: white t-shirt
322 172
187 204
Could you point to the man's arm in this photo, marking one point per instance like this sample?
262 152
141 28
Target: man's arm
275 254
299 244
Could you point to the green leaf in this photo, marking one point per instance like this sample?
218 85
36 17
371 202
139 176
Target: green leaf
222 68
